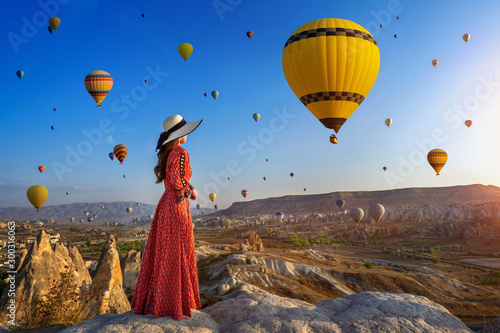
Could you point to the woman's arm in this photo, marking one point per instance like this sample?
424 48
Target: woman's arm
176 174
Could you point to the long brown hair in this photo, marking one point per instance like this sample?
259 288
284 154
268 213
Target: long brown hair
160 168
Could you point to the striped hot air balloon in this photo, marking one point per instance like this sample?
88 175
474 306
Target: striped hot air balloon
244 193
120 151
41 168
437 159
98 84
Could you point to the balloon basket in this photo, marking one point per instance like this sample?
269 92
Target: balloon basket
99 106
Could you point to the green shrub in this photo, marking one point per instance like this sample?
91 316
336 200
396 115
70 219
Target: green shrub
348 264
368 265
495 255
436 260
478 277
474 253
416 257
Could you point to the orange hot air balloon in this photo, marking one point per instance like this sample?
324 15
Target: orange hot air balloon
435 63
267 160
437 159
41 168
120 152
468 123
249 34
98 84
244 193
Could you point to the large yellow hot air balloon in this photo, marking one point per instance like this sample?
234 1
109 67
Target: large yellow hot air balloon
212 196
120 151
37 194
54 22
98 84
185 50
437 159
331 65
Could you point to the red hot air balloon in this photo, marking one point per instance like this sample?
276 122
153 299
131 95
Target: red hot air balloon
468 123
54 109
249 34
120 152
41 168
244 193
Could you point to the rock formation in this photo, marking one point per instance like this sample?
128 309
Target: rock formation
253 243
363 312
40 270
492 327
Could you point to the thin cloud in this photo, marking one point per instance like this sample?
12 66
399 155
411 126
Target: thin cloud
109 139
83 188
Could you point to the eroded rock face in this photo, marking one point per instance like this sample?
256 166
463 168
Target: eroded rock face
131 266
253 243
492 327
40 269
363 312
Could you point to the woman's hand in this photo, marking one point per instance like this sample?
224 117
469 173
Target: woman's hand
194 194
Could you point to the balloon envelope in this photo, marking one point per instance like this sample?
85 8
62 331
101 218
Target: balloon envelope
435 63
340 203
214 94
385 168
466 37
111 156
244 193
185 50
388 122
20 74
98 84
129 209
291 174
249 34
124 176
37 194
72 219
198 206
216 206
279 216
41 168
226 223
265 178
54 22
90 219
256 117
331 65
437 159
212 196
376 211
120 151
468 123
357 214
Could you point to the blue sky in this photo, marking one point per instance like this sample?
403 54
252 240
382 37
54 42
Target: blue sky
428 105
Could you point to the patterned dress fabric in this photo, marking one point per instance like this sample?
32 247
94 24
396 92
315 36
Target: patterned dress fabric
168 279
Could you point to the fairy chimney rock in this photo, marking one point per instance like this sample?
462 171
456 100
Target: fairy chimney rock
253 243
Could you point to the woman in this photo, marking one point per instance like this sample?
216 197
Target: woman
168 279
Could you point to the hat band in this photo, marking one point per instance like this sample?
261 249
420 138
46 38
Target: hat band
164 136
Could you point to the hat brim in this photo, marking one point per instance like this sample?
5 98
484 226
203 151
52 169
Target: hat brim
184 130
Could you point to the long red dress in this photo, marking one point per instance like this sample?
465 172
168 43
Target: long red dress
168 279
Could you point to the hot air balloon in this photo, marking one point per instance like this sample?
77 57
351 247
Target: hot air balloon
249 34
86 213
37 194
72 219
185 50
145 81
120 151
435 63
291 174
98 84
395 36
256 117
333 139
54 109
54 22
50 29
215 93
221 223
20 74
111 156
466 37
81 220
124 176
202 212
67 193
226 223
90 219
95 215
468 123
216 206
385 168
265 178
228 178
397 17
267 160
212 196
41 168
381 26
143 15
198 206
279 216
376 211
205 94
437 159
304 189
357 214
129 209
52 127
244 193
388 122
138 204
340 203
331 65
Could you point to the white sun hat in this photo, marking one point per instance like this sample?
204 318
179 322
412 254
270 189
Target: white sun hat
176 127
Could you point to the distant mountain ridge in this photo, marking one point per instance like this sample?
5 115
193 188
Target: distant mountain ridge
304 204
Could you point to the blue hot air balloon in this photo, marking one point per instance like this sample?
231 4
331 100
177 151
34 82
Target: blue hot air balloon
340 203
111 156
20 74
279 216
